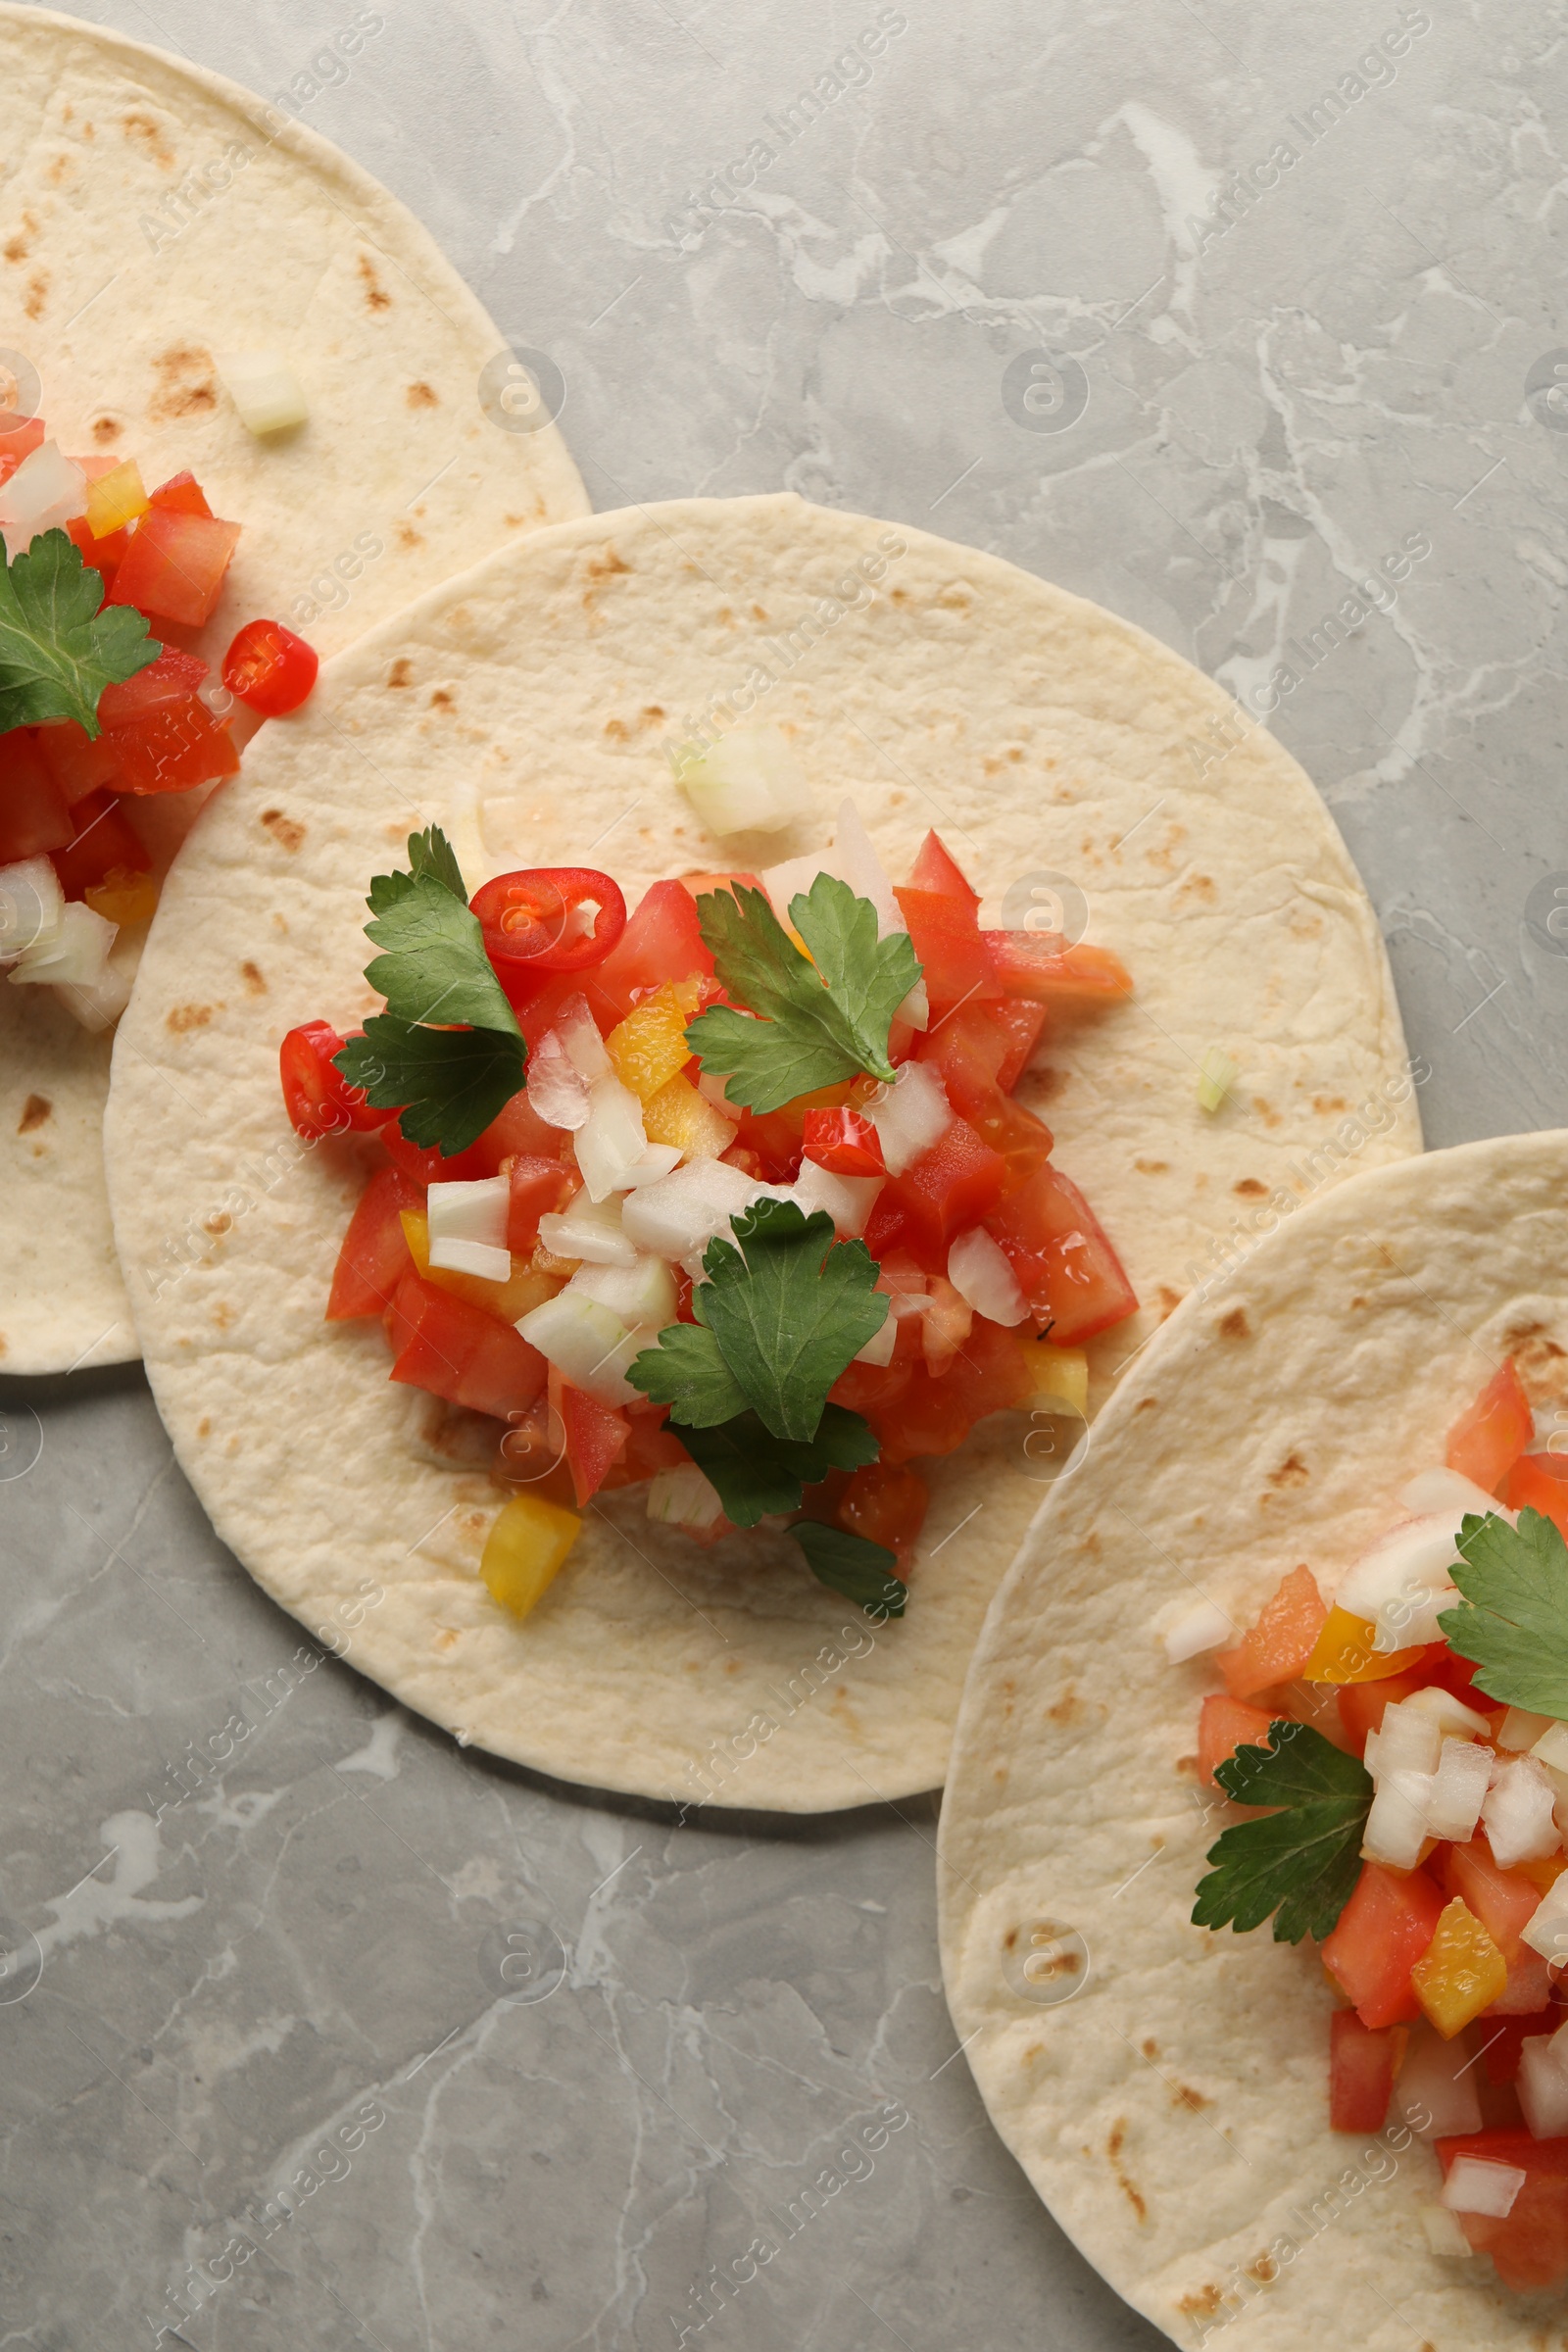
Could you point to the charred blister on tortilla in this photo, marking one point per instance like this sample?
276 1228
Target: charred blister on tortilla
1420 1835
730 1197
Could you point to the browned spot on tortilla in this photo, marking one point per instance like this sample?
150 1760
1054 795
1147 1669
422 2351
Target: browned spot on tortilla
185 386
617 729
653 712
251 973
1203 2304
35 1111
1169 1299
1129 2188
37 294
407 536
1015 752
1150 2047
1327 1104
421 396
106 429
1266 1111
1263 2267
1147 1404
1197 886
1067 1708
1187 1768
1152 1167
219 1222
400 673
1291 1472
447 1638
1235 1325
60 170
1250 1189
440 699
607 568
1181 2095
1010 1940
146 133
285 831
223 1314
17 249
1355 1302
900 596
188 1016
1046 1083
376 297
204 1427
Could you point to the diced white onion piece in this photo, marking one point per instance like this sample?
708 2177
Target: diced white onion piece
1517 1815
100 1006
711 1086
45 493
1408 1742
1444 2236
580 1039
611 1139
878 1349
1477 2184
1520 1729
1435 2093
1458 1790
750 781
1453 1719
556 1088
1547 1929
910 1115
1396 1825
657 1160
590 1230
1202 1627
679 1215
793 879
264 389
77 950
1412 1620
683 1498
468 1227
32 903
1542 2085
1448 1493
979 1271
587 1342
1552 1749
642 1295
847 1200
1217 1073
1403 1580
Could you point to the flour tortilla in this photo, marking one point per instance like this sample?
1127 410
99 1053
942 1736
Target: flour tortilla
1174 2113
542 694
106 149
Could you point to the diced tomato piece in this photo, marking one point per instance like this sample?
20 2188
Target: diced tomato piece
1363 2064
455 1349
661 941
945 927
102 556
539 1188
1021 1022
173 678
916 1413
953 1186
1538 1481
517 1127
270 668
1223 1725
374 1255
78 762
886 1503
1042 966
182 494
649 1447
174 566
19 438
1503 1900
875 1391
318 1097
1362 1704
1282 1641
1486 1442
842 1142
104 843
1529 2247
1065 1265
33 814
423 1164
178 745
596 1436
971 1049
702 886
1382 1930
1506 2037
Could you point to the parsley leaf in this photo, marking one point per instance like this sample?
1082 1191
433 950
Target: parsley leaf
823 1017
777 1325
448 1083
430 852
1514 1621
755 1473
57 651
848 1564
435 967
1301 1862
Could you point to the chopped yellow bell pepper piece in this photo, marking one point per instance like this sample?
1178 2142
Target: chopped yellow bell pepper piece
1344 1654
123 896
525 1288
678 1114
115 499
524 1551
1060 1375
649 1047
1460 1973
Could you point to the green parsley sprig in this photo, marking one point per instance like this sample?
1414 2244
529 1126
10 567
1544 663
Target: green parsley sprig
1514 1618
1302 1861
821 1017
57 651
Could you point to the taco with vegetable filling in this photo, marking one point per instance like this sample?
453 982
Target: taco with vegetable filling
1292 1652
672 1253
240 423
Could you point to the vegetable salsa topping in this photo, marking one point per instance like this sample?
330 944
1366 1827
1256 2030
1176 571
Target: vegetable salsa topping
730 1197
1409 1742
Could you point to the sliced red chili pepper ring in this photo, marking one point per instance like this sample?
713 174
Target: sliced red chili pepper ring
535 918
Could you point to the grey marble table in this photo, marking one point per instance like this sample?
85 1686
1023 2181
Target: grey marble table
1216 313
